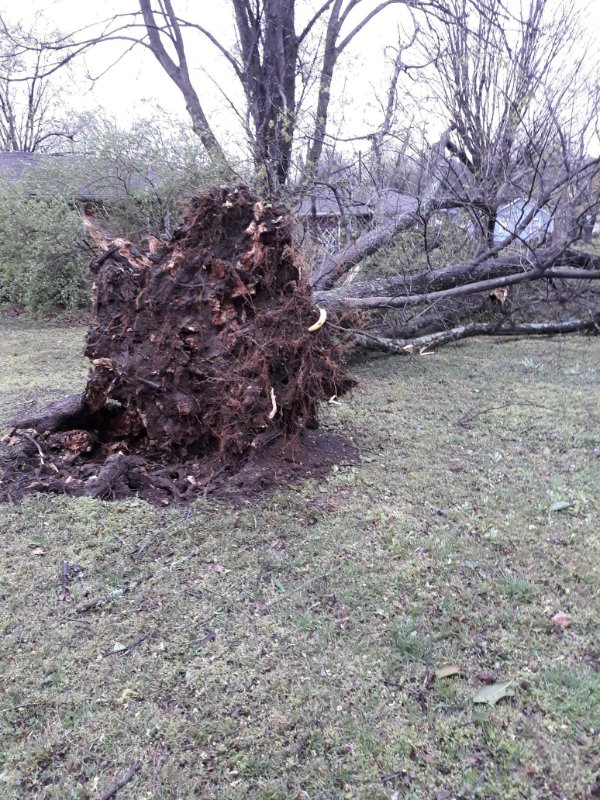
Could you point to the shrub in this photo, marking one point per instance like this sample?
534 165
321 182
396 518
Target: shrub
131 181
142 174
43 257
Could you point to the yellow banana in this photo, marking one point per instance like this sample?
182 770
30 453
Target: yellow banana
320 322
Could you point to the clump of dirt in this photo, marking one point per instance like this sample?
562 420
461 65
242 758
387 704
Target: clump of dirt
201 362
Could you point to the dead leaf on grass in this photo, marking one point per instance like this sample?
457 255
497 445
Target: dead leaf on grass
561 619
447 671
561 505
500 294
497 691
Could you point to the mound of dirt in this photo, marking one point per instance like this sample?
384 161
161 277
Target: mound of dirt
201 360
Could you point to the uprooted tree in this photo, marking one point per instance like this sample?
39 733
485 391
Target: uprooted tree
204 351
522 125
202 346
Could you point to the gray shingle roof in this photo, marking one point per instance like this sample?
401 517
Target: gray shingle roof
92 180
321 202
13 165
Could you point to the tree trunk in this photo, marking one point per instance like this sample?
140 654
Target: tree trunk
178 72
459 276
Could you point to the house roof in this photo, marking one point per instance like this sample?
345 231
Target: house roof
391 202
321 202
105 182
14 165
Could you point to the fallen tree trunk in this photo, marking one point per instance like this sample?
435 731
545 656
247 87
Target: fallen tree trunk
336 265
423 344
403 301
452 295
457 276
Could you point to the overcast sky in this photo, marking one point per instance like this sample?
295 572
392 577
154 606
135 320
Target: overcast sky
137 83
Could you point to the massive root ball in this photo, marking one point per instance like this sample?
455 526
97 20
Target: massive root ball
205 344
201 352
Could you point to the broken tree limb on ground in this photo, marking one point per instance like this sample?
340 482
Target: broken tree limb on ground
402 301
495 290
423 344
337 264
442 316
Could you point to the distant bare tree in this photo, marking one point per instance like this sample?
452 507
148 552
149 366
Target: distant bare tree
274 58
31 117
493 71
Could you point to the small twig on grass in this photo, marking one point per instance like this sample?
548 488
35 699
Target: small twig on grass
128 647
208 637
471 415
106 598
129 587
302 586
135 554
65 595
23 705
135 768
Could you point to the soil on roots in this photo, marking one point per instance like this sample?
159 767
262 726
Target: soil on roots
202 367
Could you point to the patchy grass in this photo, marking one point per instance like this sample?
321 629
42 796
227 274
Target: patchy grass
39 363
283 648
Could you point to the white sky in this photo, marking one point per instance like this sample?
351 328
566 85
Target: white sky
138 83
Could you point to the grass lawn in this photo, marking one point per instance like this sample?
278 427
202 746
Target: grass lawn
285 648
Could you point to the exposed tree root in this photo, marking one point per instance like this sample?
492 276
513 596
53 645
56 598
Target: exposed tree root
203 351
63 414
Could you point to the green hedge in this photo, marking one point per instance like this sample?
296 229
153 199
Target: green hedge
42 253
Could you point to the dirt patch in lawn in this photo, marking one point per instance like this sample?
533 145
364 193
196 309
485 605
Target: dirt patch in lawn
281 462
